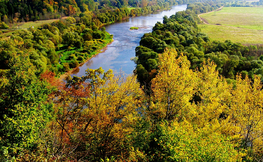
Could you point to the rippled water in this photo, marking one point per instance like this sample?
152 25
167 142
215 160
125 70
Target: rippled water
118 54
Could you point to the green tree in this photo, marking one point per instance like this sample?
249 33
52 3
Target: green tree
3 25
24 113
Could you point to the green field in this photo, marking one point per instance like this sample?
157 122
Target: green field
24 25
239 24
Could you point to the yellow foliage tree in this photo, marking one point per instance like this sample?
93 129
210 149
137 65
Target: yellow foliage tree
94 116
247 114
190 115
144 3
173 87
197 102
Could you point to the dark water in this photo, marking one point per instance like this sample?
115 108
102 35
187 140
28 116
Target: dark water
118 54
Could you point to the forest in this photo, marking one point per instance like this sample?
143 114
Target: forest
20 11
190 99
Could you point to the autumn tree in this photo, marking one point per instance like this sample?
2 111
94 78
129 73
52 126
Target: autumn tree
173 87
94 114
184 101
144 3
246 113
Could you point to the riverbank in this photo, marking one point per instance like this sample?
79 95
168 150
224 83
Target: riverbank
75 70
66 74
117 56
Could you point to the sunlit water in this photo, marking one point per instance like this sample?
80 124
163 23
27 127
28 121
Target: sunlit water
118 54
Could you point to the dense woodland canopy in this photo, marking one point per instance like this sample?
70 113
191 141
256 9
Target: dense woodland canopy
196 100
13 10
56 47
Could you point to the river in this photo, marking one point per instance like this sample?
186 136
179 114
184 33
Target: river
117 56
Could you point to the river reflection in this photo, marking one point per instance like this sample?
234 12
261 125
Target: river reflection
117 56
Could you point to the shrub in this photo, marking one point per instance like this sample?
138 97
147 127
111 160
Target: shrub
3 25
134 28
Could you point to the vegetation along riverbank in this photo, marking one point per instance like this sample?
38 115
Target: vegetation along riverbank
63 45
192 98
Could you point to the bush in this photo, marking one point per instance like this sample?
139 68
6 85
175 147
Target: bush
134 28
66 67
3 25
97 35
80 59
73 64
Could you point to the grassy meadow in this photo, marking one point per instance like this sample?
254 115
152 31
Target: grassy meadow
238 24
34 24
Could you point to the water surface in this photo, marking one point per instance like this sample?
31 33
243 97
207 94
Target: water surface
117 56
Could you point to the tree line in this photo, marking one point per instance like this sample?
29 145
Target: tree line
13 11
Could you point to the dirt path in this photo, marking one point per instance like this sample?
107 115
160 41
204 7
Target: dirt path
204 20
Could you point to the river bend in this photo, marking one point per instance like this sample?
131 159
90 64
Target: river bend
117 56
